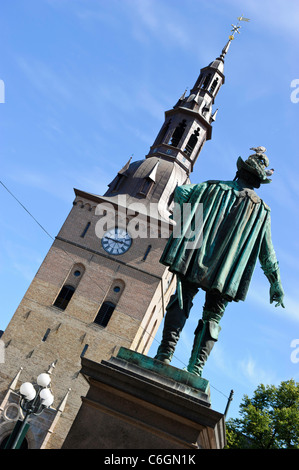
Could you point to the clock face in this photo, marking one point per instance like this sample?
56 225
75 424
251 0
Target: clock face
116 241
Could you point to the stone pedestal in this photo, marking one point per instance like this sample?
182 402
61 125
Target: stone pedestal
136 402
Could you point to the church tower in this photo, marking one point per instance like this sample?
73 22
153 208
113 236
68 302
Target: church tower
101 285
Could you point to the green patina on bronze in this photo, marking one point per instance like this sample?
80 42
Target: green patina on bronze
234 234
157 367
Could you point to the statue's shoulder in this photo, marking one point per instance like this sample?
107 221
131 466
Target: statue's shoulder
212 182
266 206
239 191
225 185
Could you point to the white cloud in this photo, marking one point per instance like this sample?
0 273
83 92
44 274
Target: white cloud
287 196
91 179
160 21
44 78
255 374
23 260
260 296
292 307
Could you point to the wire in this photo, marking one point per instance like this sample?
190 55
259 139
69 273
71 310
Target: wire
47 233
74 261
22 205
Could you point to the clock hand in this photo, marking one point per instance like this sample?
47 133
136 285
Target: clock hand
114 240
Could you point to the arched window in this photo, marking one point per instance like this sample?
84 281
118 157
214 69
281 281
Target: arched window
162 133
178 133
104 314
192 142
214 85
197 84
206 81
69 287
24 444
64 297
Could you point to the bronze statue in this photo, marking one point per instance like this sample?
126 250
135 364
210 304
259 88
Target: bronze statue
236 232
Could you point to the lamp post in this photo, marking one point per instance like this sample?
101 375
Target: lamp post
34 399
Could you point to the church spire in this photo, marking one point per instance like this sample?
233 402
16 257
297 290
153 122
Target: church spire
186 127
189 124
225 49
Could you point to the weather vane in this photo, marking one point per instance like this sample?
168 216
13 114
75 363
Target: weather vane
232 36
237 27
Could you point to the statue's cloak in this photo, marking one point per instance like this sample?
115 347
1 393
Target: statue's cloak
235 232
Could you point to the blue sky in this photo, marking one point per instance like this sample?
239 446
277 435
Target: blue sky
86 86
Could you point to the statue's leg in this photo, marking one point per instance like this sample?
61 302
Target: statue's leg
206 333
174 322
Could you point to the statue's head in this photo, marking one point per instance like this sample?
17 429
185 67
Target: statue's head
254 168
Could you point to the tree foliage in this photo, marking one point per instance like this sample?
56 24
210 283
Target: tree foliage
269 420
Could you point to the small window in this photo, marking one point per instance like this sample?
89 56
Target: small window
146 187
84 350
104 314
147 252
64 297
118 182
85 230
46 335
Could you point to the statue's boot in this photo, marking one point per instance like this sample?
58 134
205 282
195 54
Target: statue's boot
174 322
206 334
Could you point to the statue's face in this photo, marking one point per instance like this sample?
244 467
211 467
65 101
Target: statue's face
259 163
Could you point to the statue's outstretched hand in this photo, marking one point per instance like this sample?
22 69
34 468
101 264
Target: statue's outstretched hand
277 294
